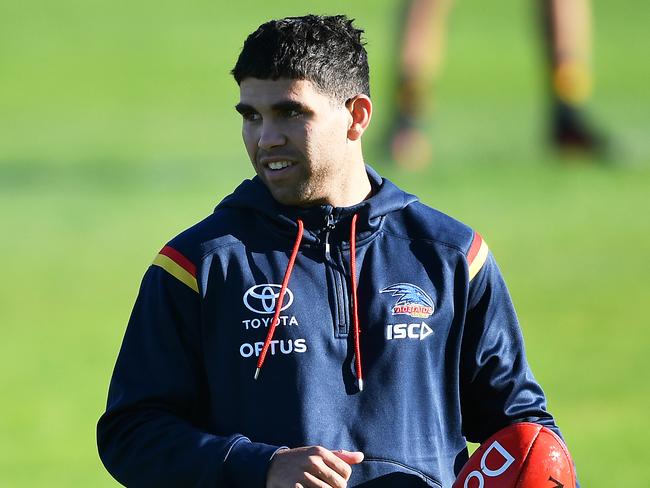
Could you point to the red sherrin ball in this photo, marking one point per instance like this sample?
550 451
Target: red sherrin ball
523 455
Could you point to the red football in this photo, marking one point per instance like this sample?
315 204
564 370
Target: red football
523 455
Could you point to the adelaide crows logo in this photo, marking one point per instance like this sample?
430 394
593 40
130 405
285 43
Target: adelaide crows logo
412 301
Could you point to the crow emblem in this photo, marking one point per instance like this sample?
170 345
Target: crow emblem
412 300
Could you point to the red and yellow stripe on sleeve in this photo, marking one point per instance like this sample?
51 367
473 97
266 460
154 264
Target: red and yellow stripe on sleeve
178 266
477 255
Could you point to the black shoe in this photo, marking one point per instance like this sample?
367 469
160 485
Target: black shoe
573 134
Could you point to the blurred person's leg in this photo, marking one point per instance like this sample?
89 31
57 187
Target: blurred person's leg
568 39
420 60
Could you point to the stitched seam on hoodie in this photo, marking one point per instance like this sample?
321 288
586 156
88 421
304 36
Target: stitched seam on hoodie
235 442
430 241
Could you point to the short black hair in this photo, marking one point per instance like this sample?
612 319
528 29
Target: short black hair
326 50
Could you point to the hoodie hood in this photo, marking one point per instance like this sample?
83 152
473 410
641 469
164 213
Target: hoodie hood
386 198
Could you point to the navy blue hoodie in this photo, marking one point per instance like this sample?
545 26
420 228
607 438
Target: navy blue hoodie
440 347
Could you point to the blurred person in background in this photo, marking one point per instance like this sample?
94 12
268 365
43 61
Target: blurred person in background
567 39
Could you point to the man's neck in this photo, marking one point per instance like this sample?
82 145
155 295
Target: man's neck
355 189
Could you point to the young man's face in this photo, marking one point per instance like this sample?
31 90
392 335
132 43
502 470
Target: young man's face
296 138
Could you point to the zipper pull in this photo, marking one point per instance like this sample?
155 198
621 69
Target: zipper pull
329 226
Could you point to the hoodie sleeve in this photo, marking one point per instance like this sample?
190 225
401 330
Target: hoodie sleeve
497 385
155 430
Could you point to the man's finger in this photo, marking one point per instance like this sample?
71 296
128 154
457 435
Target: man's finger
338 465
329 469
311 467
312 481
350 457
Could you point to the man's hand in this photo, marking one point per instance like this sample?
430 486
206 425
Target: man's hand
311 467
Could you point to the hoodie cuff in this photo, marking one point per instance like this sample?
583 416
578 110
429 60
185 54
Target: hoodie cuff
247 463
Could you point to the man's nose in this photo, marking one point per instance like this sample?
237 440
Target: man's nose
270 136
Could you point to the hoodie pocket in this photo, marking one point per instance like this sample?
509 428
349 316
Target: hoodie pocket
384 473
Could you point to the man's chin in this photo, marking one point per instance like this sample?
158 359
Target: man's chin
292 198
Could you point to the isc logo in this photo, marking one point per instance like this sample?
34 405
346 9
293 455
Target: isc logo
408 331
506 460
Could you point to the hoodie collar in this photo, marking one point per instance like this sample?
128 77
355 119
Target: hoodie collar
386 198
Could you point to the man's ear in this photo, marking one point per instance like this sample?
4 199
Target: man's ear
360 108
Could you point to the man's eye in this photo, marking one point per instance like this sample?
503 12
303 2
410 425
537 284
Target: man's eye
251 116
293 113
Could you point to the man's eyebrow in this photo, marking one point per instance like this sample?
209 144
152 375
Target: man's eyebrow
244 108
282 106
289 105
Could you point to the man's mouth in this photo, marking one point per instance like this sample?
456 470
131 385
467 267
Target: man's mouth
278 165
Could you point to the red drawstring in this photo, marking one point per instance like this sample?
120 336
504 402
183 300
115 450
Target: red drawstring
355 307
278 305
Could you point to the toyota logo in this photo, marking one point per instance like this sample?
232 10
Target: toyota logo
263 298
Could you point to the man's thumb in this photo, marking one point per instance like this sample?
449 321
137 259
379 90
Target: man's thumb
349 457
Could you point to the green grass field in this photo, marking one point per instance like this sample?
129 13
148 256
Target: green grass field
117 131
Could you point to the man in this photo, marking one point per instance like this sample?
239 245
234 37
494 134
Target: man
566 26
322 328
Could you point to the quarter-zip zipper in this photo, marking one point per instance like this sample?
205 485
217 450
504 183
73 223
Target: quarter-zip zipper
329 226
338 282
